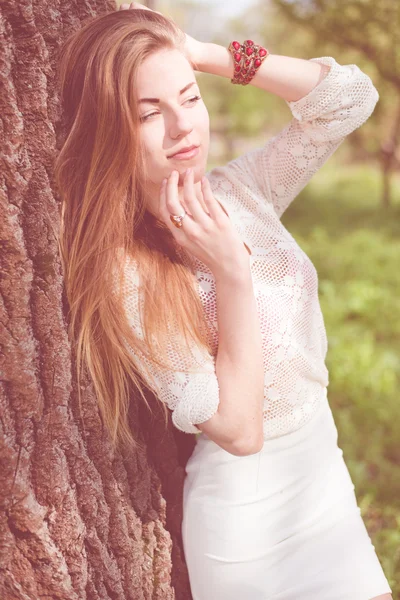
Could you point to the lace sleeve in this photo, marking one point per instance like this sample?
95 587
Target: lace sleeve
193 397
338 105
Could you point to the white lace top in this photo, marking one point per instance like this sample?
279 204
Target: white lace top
255 189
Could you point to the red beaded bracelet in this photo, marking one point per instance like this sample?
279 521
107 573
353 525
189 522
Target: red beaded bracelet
247 58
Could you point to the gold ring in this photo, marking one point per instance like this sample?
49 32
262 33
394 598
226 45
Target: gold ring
177 219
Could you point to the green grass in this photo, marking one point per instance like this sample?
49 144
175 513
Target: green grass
354 244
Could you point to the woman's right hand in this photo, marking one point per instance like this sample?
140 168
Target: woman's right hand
209 236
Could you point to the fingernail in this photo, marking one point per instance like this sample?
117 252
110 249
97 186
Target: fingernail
188 171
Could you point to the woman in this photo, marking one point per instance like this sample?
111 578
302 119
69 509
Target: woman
213 305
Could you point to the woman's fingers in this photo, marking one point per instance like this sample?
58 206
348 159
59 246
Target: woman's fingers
193 204
199 215
173 204
170 205
137 5
207 239
163 209
211 203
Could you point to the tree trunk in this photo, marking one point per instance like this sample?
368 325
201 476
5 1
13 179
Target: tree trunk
388 157
76 522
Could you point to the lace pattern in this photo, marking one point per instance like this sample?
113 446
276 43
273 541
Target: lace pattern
255 189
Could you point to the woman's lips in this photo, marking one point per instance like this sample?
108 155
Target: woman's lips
187 155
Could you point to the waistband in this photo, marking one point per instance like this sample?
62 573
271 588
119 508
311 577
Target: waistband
319 422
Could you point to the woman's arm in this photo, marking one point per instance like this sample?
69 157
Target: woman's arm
225 397
287 77
237 425
332 101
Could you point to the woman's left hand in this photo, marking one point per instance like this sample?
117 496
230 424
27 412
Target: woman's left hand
192 46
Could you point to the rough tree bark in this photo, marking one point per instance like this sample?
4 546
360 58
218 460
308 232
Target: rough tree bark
76 523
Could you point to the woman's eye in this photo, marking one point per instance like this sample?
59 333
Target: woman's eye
191 100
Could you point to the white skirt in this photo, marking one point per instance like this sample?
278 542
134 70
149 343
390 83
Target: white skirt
282 524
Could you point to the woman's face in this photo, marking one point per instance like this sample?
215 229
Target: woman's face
176 120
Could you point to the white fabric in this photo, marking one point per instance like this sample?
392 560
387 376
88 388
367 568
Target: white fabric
255 189
282 524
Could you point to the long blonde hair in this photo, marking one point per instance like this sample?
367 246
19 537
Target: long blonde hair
101 180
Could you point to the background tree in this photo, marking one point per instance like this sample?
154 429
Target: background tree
365 32
77 521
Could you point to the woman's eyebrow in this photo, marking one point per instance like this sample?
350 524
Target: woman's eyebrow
157 100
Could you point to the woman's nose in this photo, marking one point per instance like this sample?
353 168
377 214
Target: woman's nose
181 125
